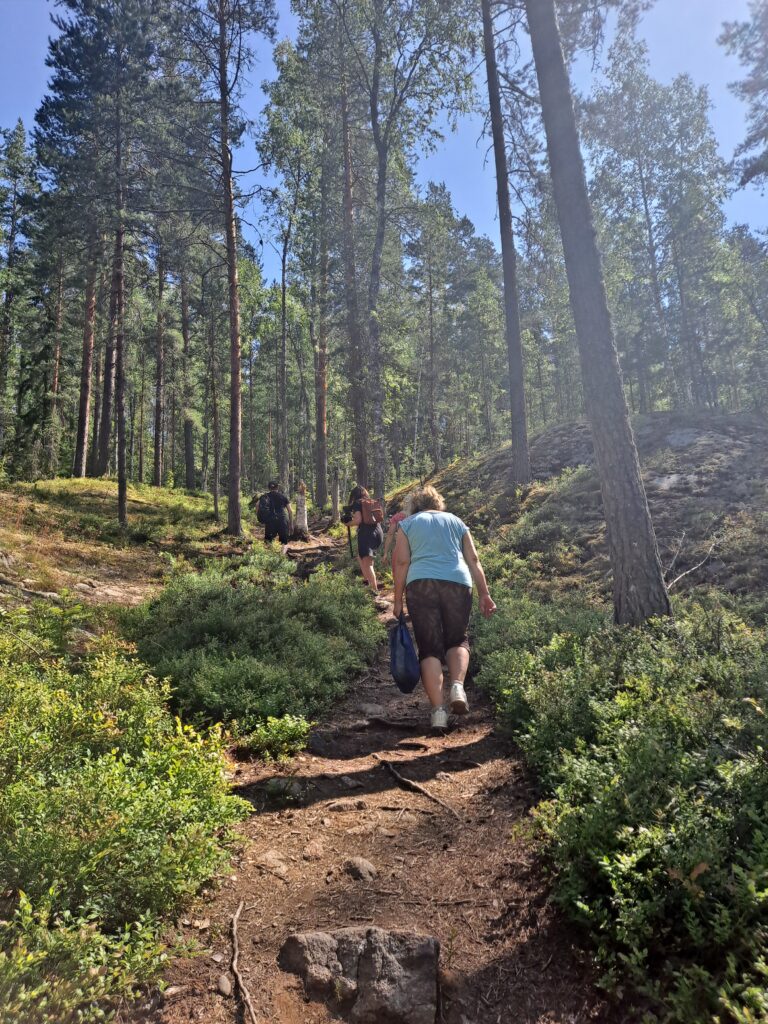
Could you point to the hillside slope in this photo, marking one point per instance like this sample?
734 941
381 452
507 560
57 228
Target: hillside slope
706 476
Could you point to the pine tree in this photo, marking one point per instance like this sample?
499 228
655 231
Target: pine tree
638 584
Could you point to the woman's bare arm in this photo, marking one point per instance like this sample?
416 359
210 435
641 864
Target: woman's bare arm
487 606
389 539
401 559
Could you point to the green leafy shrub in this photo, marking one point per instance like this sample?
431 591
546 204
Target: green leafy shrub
246 641
111 814
275 739
652 743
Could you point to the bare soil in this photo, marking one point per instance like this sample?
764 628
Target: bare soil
472 878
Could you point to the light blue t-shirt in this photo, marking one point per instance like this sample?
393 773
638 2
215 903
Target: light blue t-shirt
436 552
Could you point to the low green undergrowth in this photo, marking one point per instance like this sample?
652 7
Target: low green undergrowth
652 749
276 739
111 815
246 641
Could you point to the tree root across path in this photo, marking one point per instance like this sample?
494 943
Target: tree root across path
462 868
414 787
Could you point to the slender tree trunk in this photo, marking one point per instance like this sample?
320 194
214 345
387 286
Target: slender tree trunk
638 583
108 375
86 368
335 496
321 354
53 409
216 426
118 332
521 462
282 367
432 375
142 403
234 522
157 464
94 452
355 360
376 383
189 441
6 316
251 423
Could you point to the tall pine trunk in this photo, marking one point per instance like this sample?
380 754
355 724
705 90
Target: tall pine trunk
638 584
321 352
521 462
93 455
282 367
157 464
108 373
355 357
234 523
53 407
189 442
142 401
86 368
376 383
117 329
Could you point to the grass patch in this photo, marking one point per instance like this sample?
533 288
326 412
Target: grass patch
112 814
244 640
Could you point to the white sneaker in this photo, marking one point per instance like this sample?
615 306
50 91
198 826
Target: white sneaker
439 719
458 701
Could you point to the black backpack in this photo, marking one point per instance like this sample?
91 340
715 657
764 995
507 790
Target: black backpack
265 510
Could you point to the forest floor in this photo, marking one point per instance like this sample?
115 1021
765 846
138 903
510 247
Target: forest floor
466 871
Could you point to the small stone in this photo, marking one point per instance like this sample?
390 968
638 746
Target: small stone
272 861
224 985
349 782
284 789
313 851
347 805
217 958
388 833
360 869
325 822
443 776
372 710
202 925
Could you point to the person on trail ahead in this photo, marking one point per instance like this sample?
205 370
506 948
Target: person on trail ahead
370 535
274 511
434 565
301 529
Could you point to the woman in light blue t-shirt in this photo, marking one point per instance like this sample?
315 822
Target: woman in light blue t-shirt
434 565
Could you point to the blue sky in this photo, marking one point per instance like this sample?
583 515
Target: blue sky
681 36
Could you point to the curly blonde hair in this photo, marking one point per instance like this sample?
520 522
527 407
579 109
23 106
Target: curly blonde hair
424 499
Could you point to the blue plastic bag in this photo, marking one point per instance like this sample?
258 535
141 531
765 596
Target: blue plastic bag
403 662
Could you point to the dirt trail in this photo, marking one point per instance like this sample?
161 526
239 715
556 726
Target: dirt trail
472 878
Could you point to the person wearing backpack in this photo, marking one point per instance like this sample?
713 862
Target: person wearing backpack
274 512
367 515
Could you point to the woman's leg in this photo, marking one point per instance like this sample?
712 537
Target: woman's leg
366 568
432 680
457 659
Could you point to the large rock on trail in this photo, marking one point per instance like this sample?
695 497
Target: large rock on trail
373 975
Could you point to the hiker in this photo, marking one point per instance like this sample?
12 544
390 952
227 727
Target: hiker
301 529
366 514
274 511
389 540
434 565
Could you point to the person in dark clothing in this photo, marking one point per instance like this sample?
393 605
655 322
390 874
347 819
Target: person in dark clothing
274 511
370 537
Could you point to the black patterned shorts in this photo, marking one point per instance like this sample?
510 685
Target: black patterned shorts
439 611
